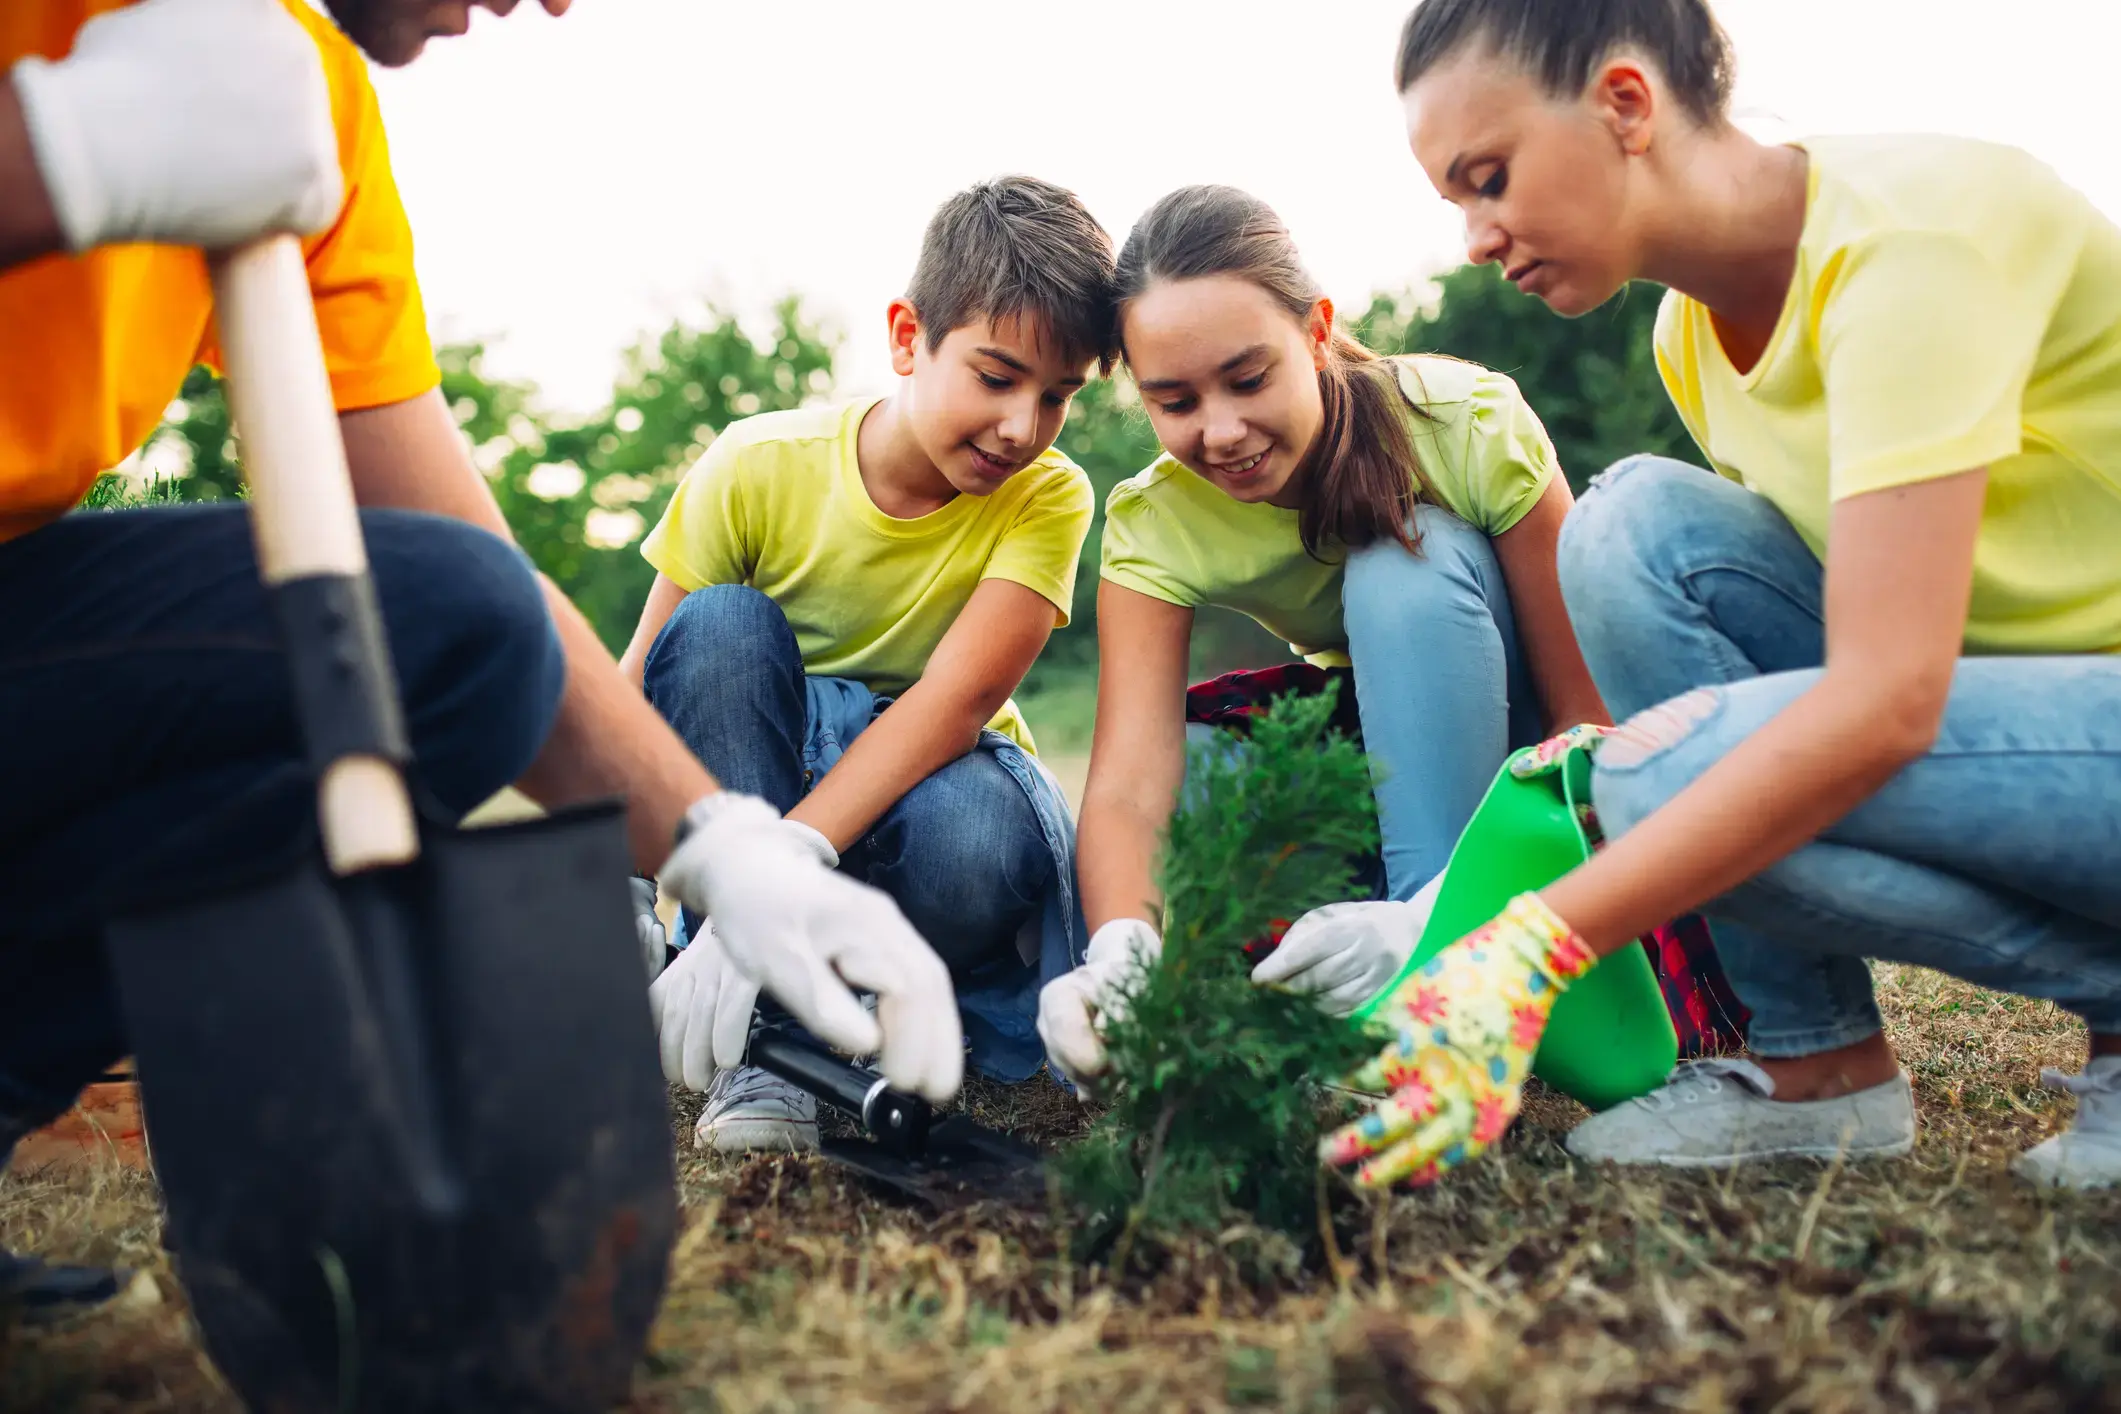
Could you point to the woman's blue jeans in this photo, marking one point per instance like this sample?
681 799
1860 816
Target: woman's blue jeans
1995 858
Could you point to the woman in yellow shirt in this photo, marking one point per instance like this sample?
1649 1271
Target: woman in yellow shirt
1879 707
1394 515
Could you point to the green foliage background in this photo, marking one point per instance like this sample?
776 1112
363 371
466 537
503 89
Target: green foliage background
579 494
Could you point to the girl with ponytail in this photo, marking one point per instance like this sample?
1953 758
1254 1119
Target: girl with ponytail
1394 519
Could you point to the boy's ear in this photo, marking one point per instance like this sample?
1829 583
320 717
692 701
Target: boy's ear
905 323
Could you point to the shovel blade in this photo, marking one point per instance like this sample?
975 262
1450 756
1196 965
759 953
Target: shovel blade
410 1128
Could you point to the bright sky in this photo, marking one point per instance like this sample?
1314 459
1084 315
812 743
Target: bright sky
575 183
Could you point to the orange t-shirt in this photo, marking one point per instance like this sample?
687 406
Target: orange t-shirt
93 347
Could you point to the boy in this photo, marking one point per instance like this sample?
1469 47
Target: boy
845 599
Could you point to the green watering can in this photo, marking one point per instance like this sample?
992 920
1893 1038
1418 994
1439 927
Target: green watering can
1610 1037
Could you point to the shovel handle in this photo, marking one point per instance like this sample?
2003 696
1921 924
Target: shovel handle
309 536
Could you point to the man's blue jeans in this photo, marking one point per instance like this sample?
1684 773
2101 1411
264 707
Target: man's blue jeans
146 714
961 852
1441 685
1996 857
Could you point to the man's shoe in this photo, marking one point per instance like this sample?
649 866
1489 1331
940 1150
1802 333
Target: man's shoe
39 1293
2088 1153
1715 1113
749 1109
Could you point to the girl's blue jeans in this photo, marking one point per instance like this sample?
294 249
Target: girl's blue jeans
1995 858
1441 685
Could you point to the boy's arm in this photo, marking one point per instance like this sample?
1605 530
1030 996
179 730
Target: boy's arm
997 636
664 596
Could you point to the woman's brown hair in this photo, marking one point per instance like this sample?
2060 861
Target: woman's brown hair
1361 480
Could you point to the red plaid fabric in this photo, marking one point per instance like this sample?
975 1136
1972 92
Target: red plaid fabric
1705 1012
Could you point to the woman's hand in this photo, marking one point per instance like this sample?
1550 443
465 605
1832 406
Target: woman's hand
1469 1021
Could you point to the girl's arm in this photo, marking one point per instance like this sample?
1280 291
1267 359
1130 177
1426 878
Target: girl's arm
1137 755
1899 572
1528 555
664 596
996 637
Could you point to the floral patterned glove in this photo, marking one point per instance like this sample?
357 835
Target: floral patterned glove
1547 757
1469 1021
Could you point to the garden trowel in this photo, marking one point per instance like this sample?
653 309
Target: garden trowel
944 1161
403 1095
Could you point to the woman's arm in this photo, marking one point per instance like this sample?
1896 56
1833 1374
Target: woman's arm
997 635
664 596
1527 552
1137 755
1899 573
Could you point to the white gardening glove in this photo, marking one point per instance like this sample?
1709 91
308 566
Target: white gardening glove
816 843
1074 1008
648 928
812 938
702 1007
185 122
1346 953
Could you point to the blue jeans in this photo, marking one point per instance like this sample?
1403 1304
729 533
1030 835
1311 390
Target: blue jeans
147 713
1996 857
961 852
1440 683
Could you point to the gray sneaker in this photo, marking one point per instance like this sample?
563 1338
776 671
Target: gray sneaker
1715 1113
2088 1153
748 1109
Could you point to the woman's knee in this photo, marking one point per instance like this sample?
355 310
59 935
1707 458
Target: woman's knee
479 662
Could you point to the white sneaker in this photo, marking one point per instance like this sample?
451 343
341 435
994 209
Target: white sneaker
749 1109
1716 1113
2088 1153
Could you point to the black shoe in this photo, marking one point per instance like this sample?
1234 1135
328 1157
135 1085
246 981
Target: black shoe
36 1292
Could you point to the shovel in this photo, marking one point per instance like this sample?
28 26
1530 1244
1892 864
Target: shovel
406 1112
945 1163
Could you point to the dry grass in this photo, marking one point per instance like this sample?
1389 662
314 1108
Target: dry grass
1935 1283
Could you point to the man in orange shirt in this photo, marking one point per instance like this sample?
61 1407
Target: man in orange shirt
144 704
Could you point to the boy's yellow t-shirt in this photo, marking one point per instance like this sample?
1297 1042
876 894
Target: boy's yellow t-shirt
1172 535
777 503
1955 305
93 347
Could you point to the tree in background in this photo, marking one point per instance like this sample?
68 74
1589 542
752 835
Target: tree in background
1593 381
579 496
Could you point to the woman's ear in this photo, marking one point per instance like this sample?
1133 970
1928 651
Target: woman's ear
905 322
1626 101
1318 328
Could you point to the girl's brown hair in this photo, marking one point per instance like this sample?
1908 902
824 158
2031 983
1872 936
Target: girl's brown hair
1361 480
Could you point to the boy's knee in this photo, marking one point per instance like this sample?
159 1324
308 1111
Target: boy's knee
728 623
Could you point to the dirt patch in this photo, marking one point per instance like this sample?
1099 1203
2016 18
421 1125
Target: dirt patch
1938 1282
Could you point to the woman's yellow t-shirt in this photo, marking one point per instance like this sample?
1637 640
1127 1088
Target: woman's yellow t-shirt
1955 305
777 503
1170 534
93 347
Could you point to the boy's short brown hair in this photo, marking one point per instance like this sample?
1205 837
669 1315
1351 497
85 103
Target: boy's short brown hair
1017 247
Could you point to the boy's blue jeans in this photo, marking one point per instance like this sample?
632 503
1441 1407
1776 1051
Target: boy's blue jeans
145 712
961 852
1441 685
1996 857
